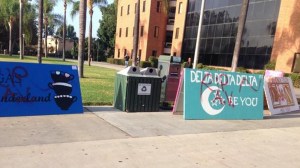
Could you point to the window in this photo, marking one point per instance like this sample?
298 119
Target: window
120 32
133 31
131 53
125 52
158 6
144 6
142 31
177 33
121 10
156 31
180 7
154 53
126 35
135 8
118 53
128 9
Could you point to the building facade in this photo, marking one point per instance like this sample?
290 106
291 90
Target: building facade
55 44
271 31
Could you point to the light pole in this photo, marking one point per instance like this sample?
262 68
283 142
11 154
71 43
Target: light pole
21 29
23 44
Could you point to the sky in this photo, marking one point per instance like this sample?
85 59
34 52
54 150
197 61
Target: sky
75 21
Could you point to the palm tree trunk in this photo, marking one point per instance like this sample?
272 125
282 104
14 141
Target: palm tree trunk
40 32
10 38
46 43
136 34
21 29
82 24
64 31
239 35
90 37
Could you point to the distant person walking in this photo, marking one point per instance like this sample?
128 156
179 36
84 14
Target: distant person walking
126 60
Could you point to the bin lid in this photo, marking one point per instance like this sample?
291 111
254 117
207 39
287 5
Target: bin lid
149 72
130 71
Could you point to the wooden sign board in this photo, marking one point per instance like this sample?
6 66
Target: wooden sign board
39 89
280 95
222 95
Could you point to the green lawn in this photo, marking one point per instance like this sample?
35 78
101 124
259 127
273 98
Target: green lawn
97 87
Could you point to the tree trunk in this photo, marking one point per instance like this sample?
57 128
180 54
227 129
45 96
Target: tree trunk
10 38
40 30
21 30
239 35
90 37
136 34
82 24
46 43
64 31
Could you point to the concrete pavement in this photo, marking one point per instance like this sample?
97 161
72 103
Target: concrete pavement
106 137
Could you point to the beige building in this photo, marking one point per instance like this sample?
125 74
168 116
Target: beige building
272 31
55 44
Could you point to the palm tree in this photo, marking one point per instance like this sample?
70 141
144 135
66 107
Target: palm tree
40 31
50 19
82 24
9 9
64 27
136 28
90 5
136 33
241 26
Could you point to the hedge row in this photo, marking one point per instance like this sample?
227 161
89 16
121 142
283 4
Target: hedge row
153 62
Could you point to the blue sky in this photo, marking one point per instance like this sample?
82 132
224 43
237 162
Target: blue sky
75 21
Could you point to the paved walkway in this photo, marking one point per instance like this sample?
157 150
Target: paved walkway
106 137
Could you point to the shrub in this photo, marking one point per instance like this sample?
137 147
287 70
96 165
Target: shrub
145 64
186 65
119 61
261 72
242 69
200 66
110 60
154 61
271 65
295 79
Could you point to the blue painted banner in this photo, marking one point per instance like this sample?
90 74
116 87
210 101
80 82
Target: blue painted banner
222 95
39 89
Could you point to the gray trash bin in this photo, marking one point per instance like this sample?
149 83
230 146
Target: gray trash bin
137 91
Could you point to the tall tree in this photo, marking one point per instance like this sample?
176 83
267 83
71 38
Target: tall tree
9 10
82 24
136 33
107 29
70 33
51 19
40 31
90 5
239 35
64 27
137 25
30 24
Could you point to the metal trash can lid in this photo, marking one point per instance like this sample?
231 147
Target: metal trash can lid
130 71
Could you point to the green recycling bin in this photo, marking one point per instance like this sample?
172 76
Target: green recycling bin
137 90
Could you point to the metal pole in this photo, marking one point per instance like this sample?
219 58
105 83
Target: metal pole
23 44
21 29
198 35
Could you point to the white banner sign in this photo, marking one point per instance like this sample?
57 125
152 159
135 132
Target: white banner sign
144 89
280 95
